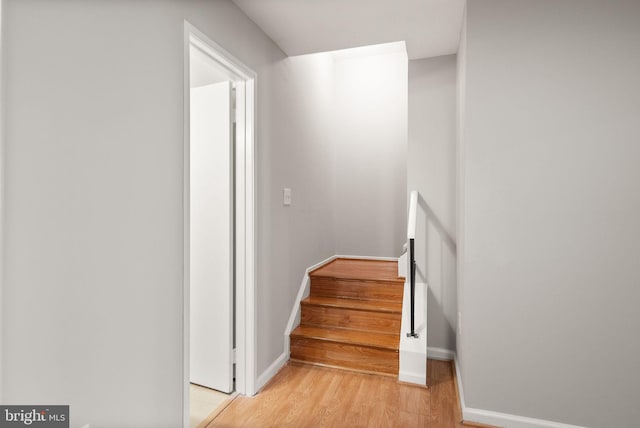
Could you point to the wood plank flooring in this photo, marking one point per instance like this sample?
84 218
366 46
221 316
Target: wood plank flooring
302 395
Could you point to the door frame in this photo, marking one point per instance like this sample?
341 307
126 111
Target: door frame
245 242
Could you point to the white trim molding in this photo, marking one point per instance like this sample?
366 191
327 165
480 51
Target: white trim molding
294 321
440 354
509 421
384 259
271 371
303 291
2 160
245 215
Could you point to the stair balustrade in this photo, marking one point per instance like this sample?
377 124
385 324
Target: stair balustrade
411 236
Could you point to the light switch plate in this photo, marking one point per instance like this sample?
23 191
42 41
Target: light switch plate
286 196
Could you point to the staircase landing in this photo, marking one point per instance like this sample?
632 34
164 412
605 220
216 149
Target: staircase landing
360 269
352 317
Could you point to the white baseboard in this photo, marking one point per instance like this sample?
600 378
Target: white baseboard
509 421
440 354
506 420
402 265
416 379
271 371
456 367
384 259
304 285
294 321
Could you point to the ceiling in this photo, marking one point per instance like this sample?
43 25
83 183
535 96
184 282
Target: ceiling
429 27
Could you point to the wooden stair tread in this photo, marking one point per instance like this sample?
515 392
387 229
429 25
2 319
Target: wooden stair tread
360 269
352 317
390 291
357 304
351 337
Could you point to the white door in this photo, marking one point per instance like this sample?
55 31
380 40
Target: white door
211 237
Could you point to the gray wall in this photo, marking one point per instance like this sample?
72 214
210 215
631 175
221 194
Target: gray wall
551 195
370 134
93 198
92 308
431 169
297 154
340 128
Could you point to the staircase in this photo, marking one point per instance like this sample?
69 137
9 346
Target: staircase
352 317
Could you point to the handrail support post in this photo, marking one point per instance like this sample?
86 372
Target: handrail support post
412 268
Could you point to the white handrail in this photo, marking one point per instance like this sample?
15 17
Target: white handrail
411 235
413 206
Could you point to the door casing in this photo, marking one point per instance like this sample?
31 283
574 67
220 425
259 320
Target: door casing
245 236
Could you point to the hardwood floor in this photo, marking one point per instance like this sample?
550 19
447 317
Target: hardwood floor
309 396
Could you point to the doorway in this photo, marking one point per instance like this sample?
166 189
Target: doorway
219 238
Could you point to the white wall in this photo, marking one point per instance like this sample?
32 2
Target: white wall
370 131
552 196
92 308
431 170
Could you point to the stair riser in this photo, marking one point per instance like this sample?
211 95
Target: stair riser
380 322
354 357
356 289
